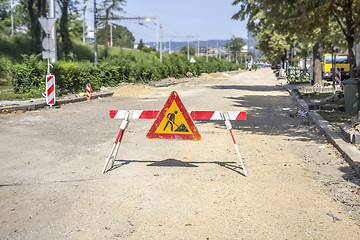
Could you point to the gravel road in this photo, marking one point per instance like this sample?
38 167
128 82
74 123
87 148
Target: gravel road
298 186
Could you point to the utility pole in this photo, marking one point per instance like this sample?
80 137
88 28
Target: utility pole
157 33
53 30
236 60
207 52
95 33
198 50
111 38
229 53
84 26
12 17
160 43
169 45
188 53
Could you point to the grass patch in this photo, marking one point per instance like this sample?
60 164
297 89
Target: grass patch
336 118
313 94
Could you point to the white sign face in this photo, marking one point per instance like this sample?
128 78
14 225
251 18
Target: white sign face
47 23
48 54
192 60
48 43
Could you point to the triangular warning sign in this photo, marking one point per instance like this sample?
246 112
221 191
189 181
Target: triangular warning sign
174 122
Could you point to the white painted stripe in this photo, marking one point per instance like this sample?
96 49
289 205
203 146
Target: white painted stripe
233 114
216 116
120 114
136 114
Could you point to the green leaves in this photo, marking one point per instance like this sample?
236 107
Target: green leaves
29 75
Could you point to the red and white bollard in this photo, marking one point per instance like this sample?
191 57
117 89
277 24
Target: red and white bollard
50 89
338 76
88 91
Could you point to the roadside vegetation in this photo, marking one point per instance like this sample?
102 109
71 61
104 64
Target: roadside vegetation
288 31
22 69
26 77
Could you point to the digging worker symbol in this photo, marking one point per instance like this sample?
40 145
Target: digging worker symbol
171 117
171 121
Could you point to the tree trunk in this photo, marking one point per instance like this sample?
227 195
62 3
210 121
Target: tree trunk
43 8
34 27
352 58
317 78
64 28
349 31
107 13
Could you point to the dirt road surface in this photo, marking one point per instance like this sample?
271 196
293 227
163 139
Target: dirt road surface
51 186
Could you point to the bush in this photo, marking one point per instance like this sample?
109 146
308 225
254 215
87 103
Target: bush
29 75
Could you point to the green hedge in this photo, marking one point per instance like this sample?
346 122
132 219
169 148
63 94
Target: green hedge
29 75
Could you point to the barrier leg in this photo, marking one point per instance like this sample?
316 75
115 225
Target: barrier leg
226 118
121 133
116 146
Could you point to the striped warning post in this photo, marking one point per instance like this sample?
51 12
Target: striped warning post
50 89
88 91
195 115
337 76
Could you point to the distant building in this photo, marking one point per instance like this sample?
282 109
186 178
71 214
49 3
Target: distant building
90 34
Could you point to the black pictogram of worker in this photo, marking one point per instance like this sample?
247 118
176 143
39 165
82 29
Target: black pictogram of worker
171 120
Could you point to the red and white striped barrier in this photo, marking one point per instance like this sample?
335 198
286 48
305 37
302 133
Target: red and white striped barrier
195 115
50 90
88 91
226 116
337 76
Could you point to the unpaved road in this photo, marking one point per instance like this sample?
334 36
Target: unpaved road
51 186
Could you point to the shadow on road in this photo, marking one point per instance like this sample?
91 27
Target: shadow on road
268 114
350 175
171 162
255 88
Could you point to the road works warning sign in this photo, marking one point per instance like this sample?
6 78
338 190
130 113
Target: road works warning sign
174 122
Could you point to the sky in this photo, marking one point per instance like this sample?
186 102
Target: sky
208 19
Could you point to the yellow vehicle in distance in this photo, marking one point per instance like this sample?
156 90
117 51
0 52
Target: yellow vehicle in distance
342 62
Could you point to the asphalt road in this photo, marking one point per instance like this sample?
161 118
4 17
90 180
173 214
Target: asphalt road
51 186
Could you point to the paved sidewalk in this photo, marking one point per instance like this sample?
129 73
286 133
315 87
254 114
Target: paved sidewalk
349 151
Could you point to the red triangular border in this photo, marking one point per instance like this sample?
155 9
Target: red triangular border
174 97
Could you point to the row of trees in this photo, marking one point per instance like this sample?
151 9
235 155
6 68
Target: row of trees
306 24
69 25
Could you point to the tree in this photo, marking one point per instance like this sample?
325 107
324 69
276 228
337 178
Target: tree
35 9
184 50
316 17
141 45
122 37
235 45
107 10
66 6
347 14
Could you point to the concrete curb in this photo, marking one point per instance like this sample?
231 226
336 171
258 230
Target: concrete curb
349 151
34 106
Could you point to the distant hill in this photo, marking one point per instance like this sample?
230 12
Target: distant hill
176 46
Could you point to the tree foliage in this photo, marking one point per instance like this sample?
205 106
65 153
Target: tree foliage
141 45
328 22
66 6
184 50
235 45
122 37
109 10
